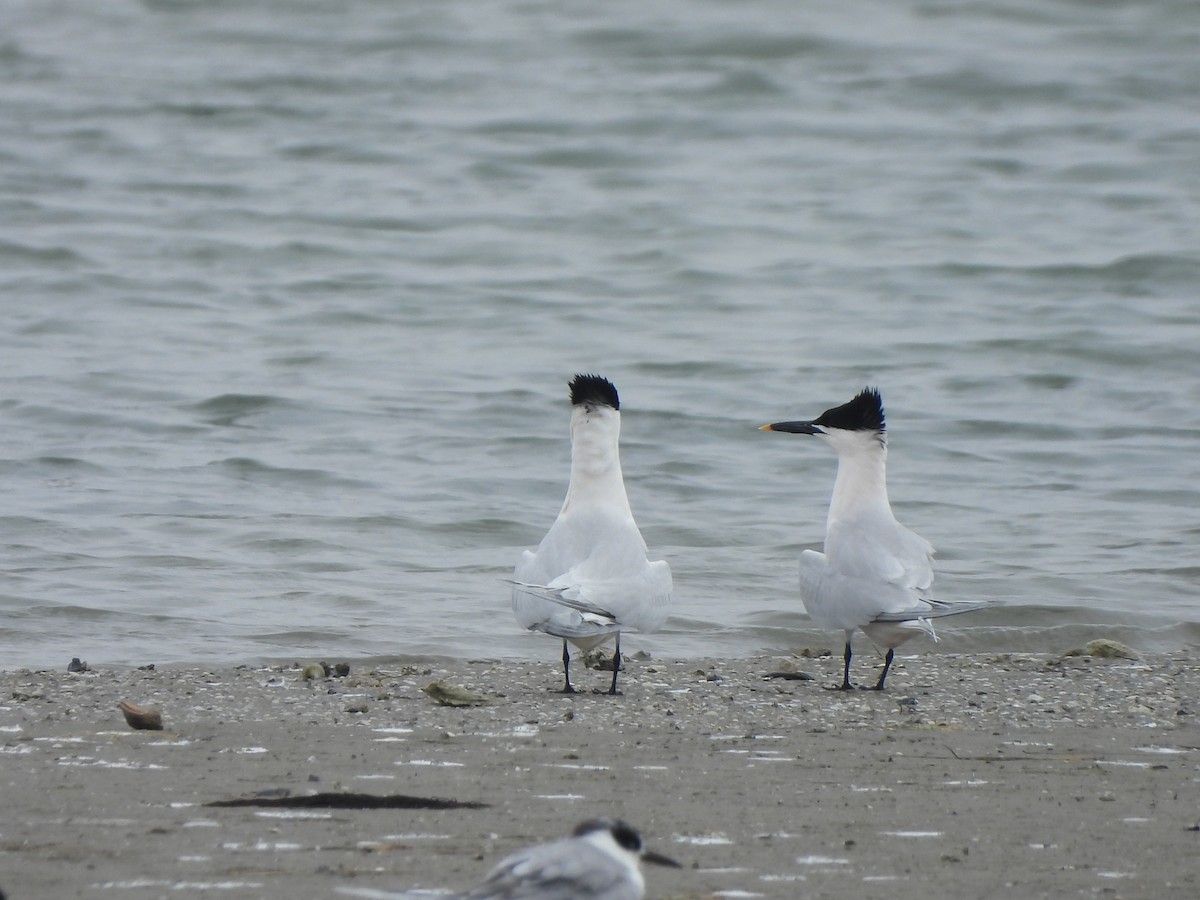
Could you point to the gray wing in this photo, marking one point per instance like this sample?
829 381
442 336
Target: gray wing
374 894
558 595
564 870
576 631
596 565
880 550
929 608
576 620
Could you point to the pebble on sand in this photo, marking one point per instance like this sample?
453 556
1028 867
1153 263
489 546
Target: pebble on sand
1104 648
453 695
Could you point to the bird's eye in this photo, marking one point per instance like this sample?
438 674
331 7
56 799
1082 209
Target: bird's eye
626 837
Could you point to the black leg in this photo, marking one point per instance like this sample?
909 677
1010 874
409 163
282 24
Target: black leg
567 689
616 666
887 664
846 685
845 672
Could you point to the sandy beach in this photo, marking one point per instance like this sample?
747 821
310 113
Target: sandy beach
1014 775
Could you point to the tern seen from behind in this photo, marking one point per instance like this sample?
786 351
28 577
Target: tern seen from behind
590 578
875 574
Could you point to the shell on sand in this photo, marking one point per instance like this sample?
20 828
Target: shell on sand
140 717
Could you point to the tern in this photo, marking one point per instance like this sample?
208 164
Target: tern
590 578
875 574
598 862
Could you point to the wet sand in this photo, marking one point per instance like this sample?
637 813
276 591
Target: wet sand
1002 776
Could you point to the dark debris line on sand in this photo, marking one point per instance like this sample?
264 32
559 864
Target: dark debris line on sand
348 800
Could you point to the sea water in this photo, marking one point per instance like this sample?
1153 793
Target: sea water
292 290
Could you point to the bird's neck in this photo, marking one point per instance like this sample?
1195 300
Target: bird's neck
596 479
860 489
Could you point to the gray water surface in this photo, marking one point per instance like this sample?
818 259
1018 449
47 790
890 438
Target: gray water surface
291 292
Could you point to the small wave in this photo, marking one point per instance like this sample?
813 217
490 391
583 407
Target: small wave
230 409
735 44
13 253
1172 269
66 462
247 469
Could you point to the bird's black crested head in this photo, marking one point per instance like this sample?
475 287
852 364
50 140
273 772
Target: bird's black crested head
625 835
592 390
622 832
863 413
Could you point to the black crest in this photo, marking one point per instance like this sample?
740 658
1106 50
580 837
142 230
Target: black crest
592 390
623 833
863 413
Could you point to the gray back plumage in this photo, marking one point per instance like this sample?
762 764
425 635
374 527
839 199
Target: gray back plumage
570 869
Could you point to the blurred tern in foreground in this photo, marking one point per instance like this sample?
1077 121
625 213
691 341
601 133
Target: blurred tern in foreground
590 578
598 862
875 574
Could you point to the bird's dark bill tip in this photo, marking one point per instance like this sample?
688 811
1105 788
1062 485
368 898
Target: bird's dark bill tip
792 427
659 860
